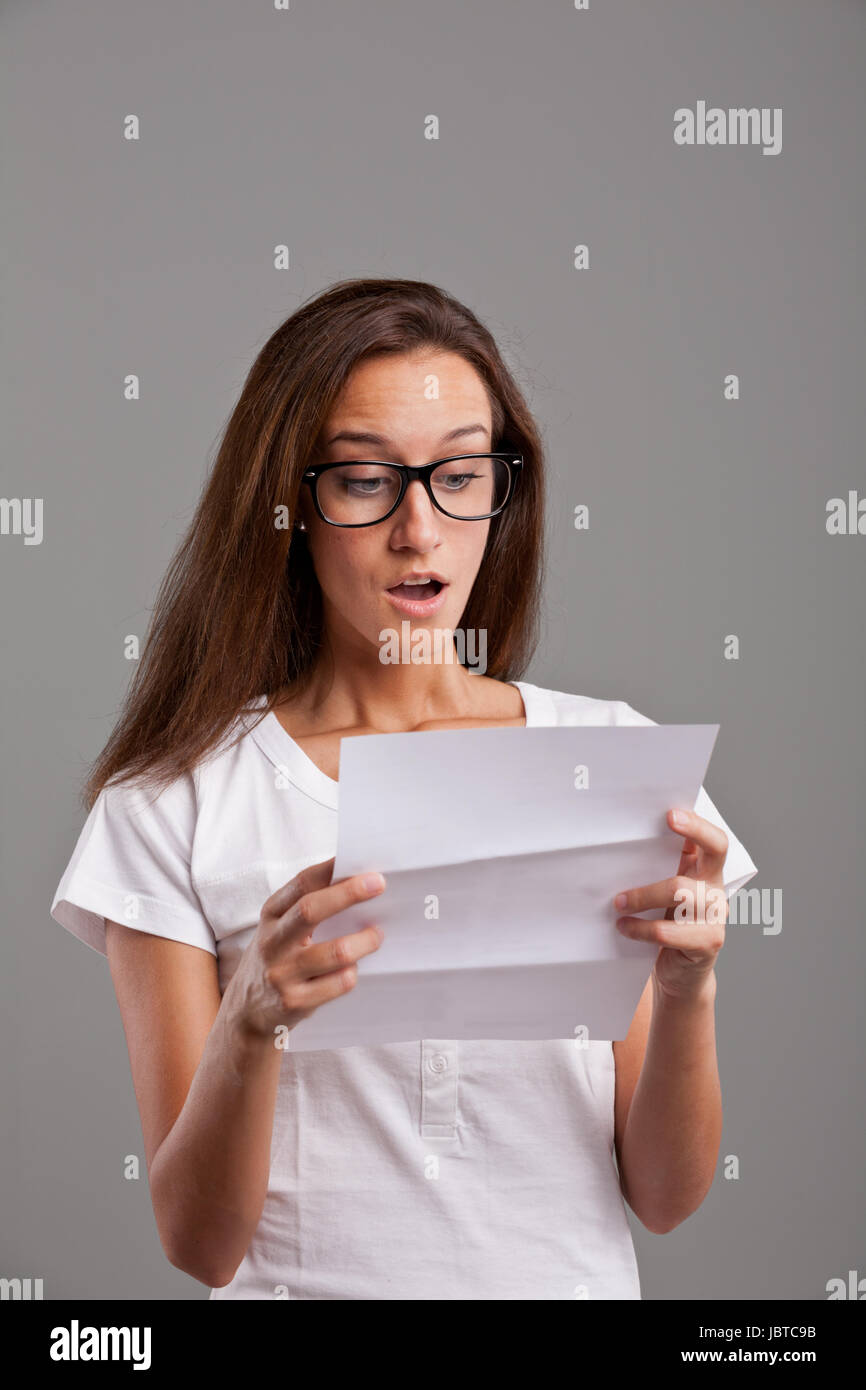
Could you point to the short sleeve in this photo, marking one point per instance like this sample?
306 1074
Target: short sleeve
132 865
739 868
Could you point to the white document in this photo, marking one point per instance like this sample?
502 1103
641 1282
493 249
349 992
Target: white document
501 870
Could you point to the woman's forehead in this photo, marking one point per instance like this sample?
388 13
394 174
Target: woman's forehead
383 398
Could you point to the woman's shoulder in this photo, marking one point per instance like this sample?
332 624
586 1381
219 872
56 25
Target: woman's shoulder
177 798
568 707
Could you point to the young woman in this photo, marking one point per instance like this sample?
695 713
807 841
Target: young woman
381 466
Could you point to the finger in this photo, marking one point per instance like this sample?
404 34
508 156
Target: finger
325 957
311 994
698 831
695 897
312 877
703 937
313 907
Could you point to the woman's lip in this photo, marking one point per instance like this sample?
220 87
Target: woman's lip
414 607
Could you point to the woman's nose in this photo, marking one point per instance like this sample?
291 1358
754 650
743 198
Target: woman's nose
416 516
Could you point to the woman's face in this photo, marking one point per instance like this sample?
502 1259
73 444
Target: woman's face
400 409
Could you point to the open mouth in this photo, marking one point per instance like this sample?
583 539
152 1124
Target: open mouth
417 592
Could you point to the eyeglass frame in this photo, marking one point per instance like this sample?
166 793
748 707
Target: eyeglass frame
423 474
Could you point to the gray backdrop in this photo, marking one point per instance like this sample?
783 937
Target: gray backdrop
707 515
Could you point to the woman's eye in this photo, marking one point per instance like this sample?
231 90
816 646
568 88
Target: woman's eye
453 481
362 487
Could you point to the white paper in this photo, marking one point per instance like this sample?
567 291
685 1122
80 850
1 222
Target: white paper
487 828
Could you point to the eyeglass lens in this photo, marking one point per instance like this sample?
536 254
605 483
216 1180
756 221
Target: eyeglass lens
365 492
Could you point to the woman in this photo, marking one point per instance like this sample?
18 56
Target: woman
422 1169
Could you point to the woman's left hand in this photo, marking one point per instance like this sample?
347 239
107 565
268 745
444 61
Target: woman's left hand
692 932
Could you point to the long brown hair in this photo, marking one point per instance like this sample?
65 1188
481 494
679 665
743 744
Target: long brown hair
238 615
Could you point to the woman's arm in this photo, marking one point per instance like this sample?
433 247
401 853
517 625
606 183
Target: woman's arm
668 1105
206 1091
206 1069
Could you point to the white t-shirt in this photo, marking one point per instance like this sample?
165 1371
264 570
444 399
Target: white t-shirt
431 1169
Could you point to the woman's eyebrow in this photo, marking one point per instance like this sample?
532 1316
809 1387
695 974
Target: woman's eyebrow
380 441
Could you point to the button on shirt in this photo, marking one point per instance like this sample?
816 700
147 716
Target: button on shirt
426 1169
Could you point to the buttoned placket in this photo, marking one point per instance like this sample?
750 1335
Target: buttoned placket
439 1080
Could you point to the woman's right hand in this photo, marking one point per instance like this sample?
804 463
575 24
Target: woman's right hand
283 976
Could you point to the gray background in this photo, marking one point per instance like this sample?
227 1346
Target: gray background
707 517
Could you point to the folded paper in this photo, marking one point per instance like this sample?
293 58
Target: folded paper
502 851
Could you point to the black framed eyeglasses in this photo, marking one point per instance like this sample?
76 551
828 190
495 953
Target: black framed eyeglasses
365 492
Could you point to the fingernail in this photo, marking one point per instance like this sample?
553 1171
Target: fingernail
621 899
372 882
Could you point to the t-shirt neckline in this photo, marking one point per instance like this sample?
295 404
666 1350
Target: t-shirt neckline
299 769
